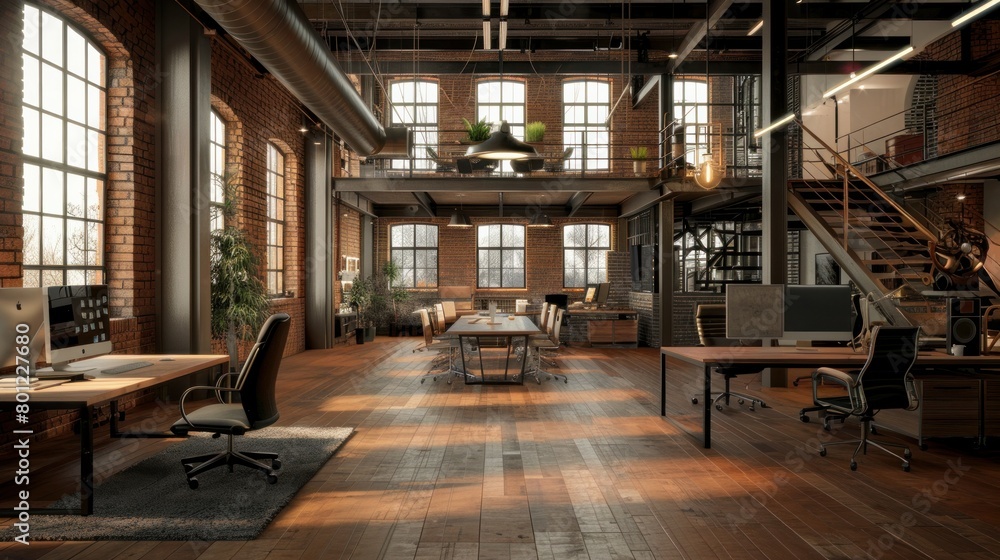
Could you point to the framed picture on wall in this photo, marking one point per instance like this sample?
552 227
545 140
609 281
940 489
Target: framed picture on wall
827 270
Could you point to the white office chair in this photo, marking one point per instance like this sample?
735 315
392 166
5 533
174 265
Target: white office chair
550 346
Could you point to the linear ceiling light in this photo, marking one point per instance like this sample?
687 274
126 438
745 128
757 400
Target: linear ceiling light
869 71
755 28
504 6
775 125
502 43
974 13
486 8
486 34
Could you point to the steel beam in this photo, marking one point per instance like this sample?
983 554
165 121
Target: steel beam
576 202
496 184
426 203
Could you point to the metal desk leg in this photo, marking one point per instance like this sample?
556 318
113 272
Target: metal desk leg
707 400
86 461
663 384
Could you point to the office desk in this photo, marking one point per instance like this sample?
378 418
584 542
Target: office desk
104 388
842 358
513 330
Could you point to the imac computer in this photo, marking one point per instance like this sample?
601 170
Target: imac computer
22 326
79 325
818 313
601 296
588 298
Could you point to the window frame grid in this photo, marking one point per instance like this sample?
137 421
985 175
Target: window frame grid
275 196
421 161
587 249
35 274
581 159
415 249
217 174
502 249
516 128
696 128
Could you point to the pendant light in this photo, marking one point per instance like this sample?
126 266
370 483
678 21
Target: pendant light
540 220
458 217
502 145
707 176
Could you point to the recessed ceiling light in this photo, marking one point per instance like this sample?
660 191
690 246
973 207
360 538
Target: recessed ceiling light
672 55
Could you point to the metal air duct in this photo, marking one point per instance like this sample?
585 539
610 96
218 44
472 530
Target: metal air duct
277 33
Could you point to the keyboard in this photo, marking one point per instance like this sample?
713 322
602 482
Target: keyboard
126 367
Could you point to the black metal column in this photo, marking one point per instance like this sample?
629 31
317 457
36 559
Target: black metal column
666 275
320 265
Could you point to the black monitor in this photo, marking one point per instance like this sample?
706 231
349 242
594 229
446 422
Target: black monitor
79 324
603 290
818 313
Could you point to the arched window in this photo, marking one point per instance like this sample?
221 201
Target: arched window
586 105
413 248
691 109
585 254
217 168
502 100
415 104
501 256
275 220
64 109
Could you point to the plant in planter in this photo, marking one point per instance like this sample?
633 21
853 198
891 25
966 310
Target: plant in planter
476 132
396 296
360 298
638 154
239 298
534 132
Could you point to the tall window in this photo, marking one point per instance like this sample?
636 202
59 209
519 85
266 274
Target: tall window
501 256
217 169
415 104
691 109
64 163
585 254
585 109
414 250
275 220
502 101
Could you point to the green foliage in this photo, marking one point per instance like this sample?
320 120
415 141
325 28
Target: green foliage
360 298
477 132
534 131
240 303
377 301
638 152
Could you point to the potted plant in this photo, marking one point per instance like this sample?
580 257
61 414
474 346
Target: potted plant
396 296
360 298
476 132
638 154
239 298
534 132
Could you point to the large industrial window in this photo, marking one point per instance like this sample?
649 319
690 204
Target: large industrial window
217 169
691 110
415 104
498 101
414 250
585 110
275 220
64 108
501 256
585 254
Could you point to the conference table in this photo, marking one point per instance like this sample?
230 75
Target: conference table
710 357
503 362
85 396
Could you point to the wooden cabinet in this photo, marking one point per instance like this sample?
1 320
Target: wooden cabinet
613 332
949 407
343 327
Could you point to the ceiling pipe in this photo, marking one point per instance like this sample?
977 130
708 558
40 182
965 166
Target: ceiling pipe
279 35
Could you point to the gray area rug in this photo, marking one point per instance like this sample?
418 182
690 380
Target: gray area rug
151 501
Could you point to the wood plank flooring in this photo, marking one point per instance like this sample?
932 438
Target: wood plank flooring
586 469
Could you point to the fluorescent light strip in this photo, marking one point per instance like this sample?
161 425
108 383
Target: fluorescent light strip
486 34
486 8
776 124
502 44
870 70
504 6
974 13
757 27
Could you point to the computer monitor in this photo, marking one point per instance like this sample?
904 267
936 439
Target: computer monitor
79 324
22 314
603 289
818 313
589 296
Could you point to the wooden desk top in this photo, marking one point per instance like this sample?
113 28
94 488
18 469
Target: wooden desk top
478 325
807 357
105 387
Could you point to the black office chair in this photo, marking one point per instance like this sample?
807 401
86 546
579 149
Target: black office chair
885 382
441 166
710 320
257 407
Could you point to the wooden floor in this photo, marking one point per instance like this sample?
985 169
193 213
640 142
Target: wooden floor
586 469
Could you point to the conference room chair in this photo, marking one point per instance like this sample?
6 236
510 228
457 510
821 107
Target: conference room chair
450 313
710 321
440 323
543 318
884 383
548 347
441 166
444 347
257 407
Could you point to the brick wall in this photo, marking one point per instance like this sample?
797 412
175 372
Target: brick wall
685 333
347 233
11 170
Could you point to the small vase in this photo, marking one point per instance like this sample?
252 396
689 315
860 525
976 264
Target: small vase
639 166
359 336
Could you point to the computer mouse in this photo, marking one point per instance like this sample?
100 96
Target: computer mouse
166 359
